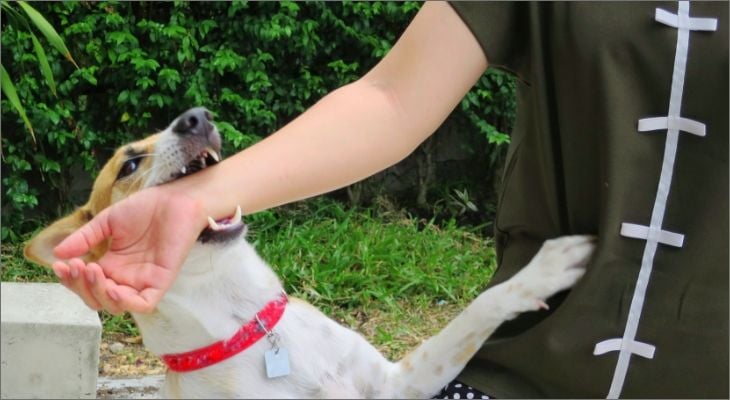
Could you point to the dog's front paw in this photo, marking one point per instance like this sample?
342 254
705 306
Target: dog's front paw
557 266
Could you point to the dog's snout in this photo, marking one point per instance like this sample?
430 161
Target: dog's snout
195 121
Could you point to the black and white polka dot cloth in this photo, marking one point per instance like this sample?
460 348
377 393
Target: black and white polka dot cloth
458 390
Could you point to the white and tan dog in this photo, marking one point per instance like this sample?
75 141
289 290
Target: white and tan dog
217 327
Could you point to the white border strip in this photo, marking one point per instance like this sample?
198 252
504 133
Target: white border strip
642 349
628 345
636 231
685 22
677 123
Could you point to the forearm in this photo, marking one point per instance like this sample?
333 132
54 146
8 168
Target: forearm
349 135
357 130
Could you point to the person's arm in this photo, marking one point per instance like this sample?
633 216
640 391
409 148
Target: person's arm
350 134
357 130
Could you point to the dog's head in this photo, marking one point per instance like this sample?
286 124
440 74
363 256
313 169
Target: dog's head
190 144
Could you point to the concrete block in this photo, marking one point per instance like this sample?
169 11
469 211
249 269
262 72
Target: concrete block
50 342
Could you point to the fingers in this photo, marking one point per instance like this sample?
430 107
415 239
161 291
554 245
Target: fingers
100 292
100 287
84 238
137 275
135 301
70 275
117 298
89 283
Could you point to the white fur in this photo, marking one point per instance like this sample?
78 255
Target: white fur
222 286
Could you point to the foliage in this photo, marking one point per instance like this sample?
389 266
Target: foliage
492 99
53 38
255 65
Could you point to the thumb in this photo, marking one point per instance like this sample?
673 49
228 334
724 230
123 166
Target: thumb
84 238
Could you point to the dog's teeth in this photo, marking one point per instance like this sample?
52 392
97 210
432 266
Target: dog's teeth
215 156
213 225
237 216
202 161
183 170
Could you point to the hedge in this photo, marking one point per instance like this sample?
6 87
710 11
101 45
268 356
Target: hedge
256 65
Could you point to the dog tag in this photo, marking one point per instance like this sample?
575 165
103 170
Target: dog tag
277 363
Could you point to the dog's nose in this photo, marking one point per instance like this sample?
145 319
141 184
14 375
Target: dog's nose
195 121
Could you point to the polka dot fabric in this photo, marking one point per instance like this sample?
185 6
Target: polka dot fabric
458 390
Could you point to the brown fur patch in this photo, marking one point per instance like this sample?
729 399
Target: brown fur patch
40 248
88 215
439 370
106 190
406 365
464 355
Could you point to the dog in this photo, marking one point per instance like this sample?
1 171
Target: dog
227 330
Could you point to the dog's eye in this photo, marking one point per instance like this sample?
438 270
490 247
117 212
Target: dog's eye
128 167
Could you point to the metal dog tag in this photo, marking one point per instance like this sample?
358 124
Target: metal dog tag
277 363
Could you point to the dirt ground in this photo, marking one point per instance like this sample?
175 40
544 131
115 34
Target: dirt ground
130 360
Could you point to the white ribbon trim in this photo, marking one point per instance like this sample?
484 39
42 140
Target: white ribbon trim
627 343
685 21
635 231
670 122
641 349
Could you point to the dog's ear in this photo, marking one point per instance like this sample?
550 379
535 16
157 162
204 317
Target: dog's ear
39 249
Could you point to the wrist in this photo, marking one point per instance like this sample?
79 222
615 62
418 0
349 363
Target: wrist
194 205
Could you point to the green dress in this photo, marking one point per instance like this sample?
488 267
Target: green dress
622 132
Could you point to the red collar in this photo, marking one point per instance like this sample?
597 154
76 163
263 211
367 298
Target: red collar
224 349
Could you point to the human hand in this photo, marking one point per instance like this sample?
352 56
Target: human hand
150 232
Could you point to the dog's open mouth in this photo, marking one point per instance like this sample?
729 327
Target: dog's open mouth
205 159
223 229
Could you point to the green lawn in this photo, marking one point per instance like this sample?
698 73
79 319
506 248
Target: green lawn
396 279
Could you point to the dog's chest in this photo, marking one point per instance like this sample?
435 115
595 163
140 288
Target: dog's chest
220 291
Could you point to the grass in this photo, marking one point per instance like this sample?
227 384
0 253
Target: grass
394 278
16 269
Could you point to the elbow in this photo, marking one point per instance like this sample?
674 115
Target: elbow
386 91
406 128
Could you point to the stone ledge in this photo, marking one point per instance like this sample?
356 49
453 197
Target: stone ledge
50 342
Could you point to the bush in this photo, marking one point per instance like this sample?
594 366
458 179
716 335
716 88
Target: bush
255 65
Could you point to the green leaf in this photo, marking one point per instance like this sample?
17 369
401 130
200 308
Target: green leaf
43 61
121 37
157 100
174 31
123 96
145 65
170 77
88 74
47 30
9 89
145 82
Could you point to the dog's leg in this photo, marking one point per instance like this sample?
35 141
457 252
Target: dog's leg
436 362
